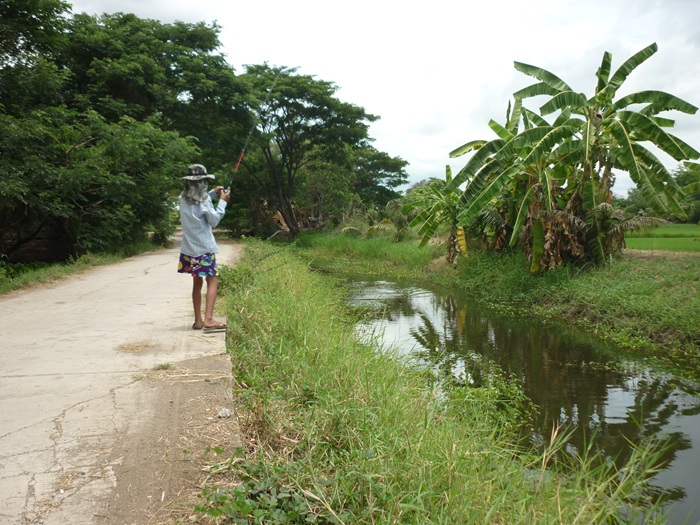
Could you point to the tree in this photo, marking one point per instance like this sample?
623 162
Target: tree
439 209
687 176
376 174
300 114
561 173
122 65
30 27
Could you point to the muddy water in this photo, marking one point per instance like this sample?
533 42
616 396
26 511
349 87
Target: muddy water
575 380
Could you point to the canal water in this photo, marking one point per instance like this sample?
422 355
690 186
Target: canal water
574 379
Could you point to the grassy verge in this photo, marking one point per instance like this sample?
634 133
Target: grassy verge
649 305
18 276
339 432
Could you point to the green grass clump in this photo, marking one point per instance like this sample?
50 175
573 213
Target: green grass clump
340 432
356 255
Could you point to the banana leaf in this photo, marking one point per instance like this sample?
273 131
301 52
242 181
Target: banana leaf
501 131
535 118
466 148
514 117
629 159
522 215
603 72
625 69
535 90
475 163
483 188
658 100
651 131
563 100
545 76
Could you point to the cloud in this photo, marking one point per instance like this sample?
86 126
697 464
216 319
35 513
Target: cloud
437 72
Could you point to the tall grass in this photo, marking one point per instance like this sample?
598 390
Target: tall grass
339 432
349 254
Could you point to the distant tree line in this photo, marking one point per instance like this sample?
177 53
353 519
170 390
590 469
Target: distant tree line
100 116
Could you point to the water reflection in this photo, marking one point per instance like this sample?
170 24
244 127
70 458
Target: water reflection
575 380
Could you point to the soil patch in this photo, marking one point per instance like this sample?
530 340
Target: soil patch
159 464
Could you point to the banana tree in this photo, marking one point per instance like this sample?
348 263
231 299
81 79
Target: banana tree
438 210
565 207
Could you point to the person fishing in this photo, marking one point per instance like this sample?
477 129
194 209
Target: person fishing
198 217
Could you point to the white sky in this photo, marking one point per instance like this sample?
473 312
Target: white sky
436 72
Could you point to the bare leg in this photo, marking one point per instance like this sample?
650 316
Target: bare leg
197 283
212 287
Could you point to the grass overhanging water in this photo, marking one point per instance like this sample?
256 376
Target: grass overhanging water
338 432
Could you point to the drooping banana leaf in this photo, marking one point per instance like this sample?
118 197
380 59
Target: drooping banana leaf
661 121
535 90
575 102
658 100
536 119
466 148
475 163
663 183
522 215
629 160
483 188
545 76
651 131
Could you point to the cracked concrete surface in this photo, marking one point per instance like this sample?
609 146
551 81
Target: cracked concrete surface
88 372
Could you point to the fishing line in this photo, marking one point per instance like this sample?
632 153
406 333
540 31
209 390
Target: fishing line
252 128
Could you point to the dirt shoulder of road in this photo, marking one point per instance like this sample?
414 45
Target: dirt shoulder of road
163 464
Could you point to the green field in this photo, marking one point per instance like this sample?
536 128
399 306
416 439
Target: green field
669 237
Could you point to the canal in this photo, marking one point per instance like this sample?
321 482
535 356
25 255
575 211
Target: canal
577 381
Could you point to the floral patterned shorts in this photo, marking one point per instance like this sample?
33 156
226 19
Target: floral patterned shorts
198 265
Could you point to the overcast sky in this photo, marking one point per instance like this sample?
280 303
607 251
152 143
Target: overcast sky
435 72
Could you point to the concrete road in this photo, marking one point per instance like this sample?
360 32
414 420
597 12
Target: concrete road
75 357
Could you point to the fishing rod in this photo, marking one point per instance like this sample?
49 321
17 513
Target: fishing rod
250 133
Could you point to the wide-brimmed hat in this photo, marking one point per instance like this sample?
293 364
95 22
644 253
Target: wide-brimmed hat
197 172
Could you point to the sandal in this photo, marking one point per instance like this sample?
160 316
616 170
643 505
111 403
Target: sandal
216 326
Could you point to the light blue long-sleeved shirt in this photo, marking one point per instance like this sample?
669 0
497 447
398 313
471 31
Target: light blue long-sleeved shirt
198 221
